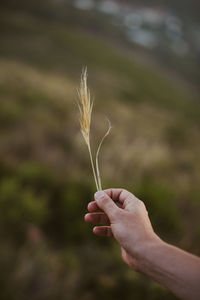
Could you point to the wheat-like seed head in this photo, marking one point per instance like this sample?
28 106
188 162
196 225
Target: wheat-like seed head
85 107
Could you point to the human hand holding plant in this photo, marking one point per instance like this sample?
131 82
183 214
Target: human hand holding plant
124 217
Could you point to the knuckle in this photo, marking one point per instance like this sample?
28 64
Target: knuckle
125 193
140 203
140 207
134 198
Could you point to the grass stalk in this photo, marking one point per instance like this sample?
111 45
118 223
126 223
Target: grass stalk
97 155
93 168
85 107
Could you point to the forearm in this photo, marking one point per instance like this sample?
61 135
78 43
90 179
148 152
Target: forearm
176 269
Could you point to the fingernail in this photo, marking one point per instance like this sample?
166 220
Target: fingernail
99 195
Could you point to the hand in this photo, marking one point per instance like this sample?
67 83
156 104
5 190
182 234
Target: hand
124 217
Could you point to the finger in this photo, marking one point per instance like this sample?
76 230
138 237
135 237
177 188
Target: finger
97 218
107 205
93 207
103 231
120 195
113 193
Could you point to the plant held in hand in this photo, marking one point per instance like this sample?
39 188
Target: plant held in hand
85 107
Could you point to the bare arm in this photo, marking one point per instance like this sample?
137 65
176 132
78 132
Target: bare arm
172 267
125 217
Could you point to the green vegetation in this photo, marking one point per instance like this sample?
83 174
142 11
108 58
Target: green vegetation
46 249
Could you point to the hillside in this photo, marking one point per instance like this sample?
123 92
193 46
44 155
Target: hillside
45 176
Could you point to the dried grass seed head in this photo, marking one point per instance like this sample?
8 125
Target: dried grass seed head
85 106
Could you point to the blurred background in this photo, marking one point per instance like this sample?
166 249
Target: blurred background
143 60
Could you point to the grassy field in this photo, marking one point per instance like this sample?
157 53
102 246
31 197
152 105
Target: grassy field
47 252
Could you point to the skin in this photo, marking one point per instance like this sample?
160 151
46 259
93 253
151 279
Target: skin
125 217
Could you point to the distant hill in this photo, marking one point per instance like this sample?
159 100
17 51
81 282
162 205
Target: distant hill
187 8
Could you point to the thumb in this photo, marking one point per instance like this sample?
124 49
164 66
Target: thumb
106 204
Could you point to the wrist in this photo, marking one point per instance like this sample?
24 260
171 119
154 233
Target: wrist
145 252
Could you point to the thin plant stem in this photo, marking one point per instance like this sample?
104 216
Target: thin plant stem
93 169
97 154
